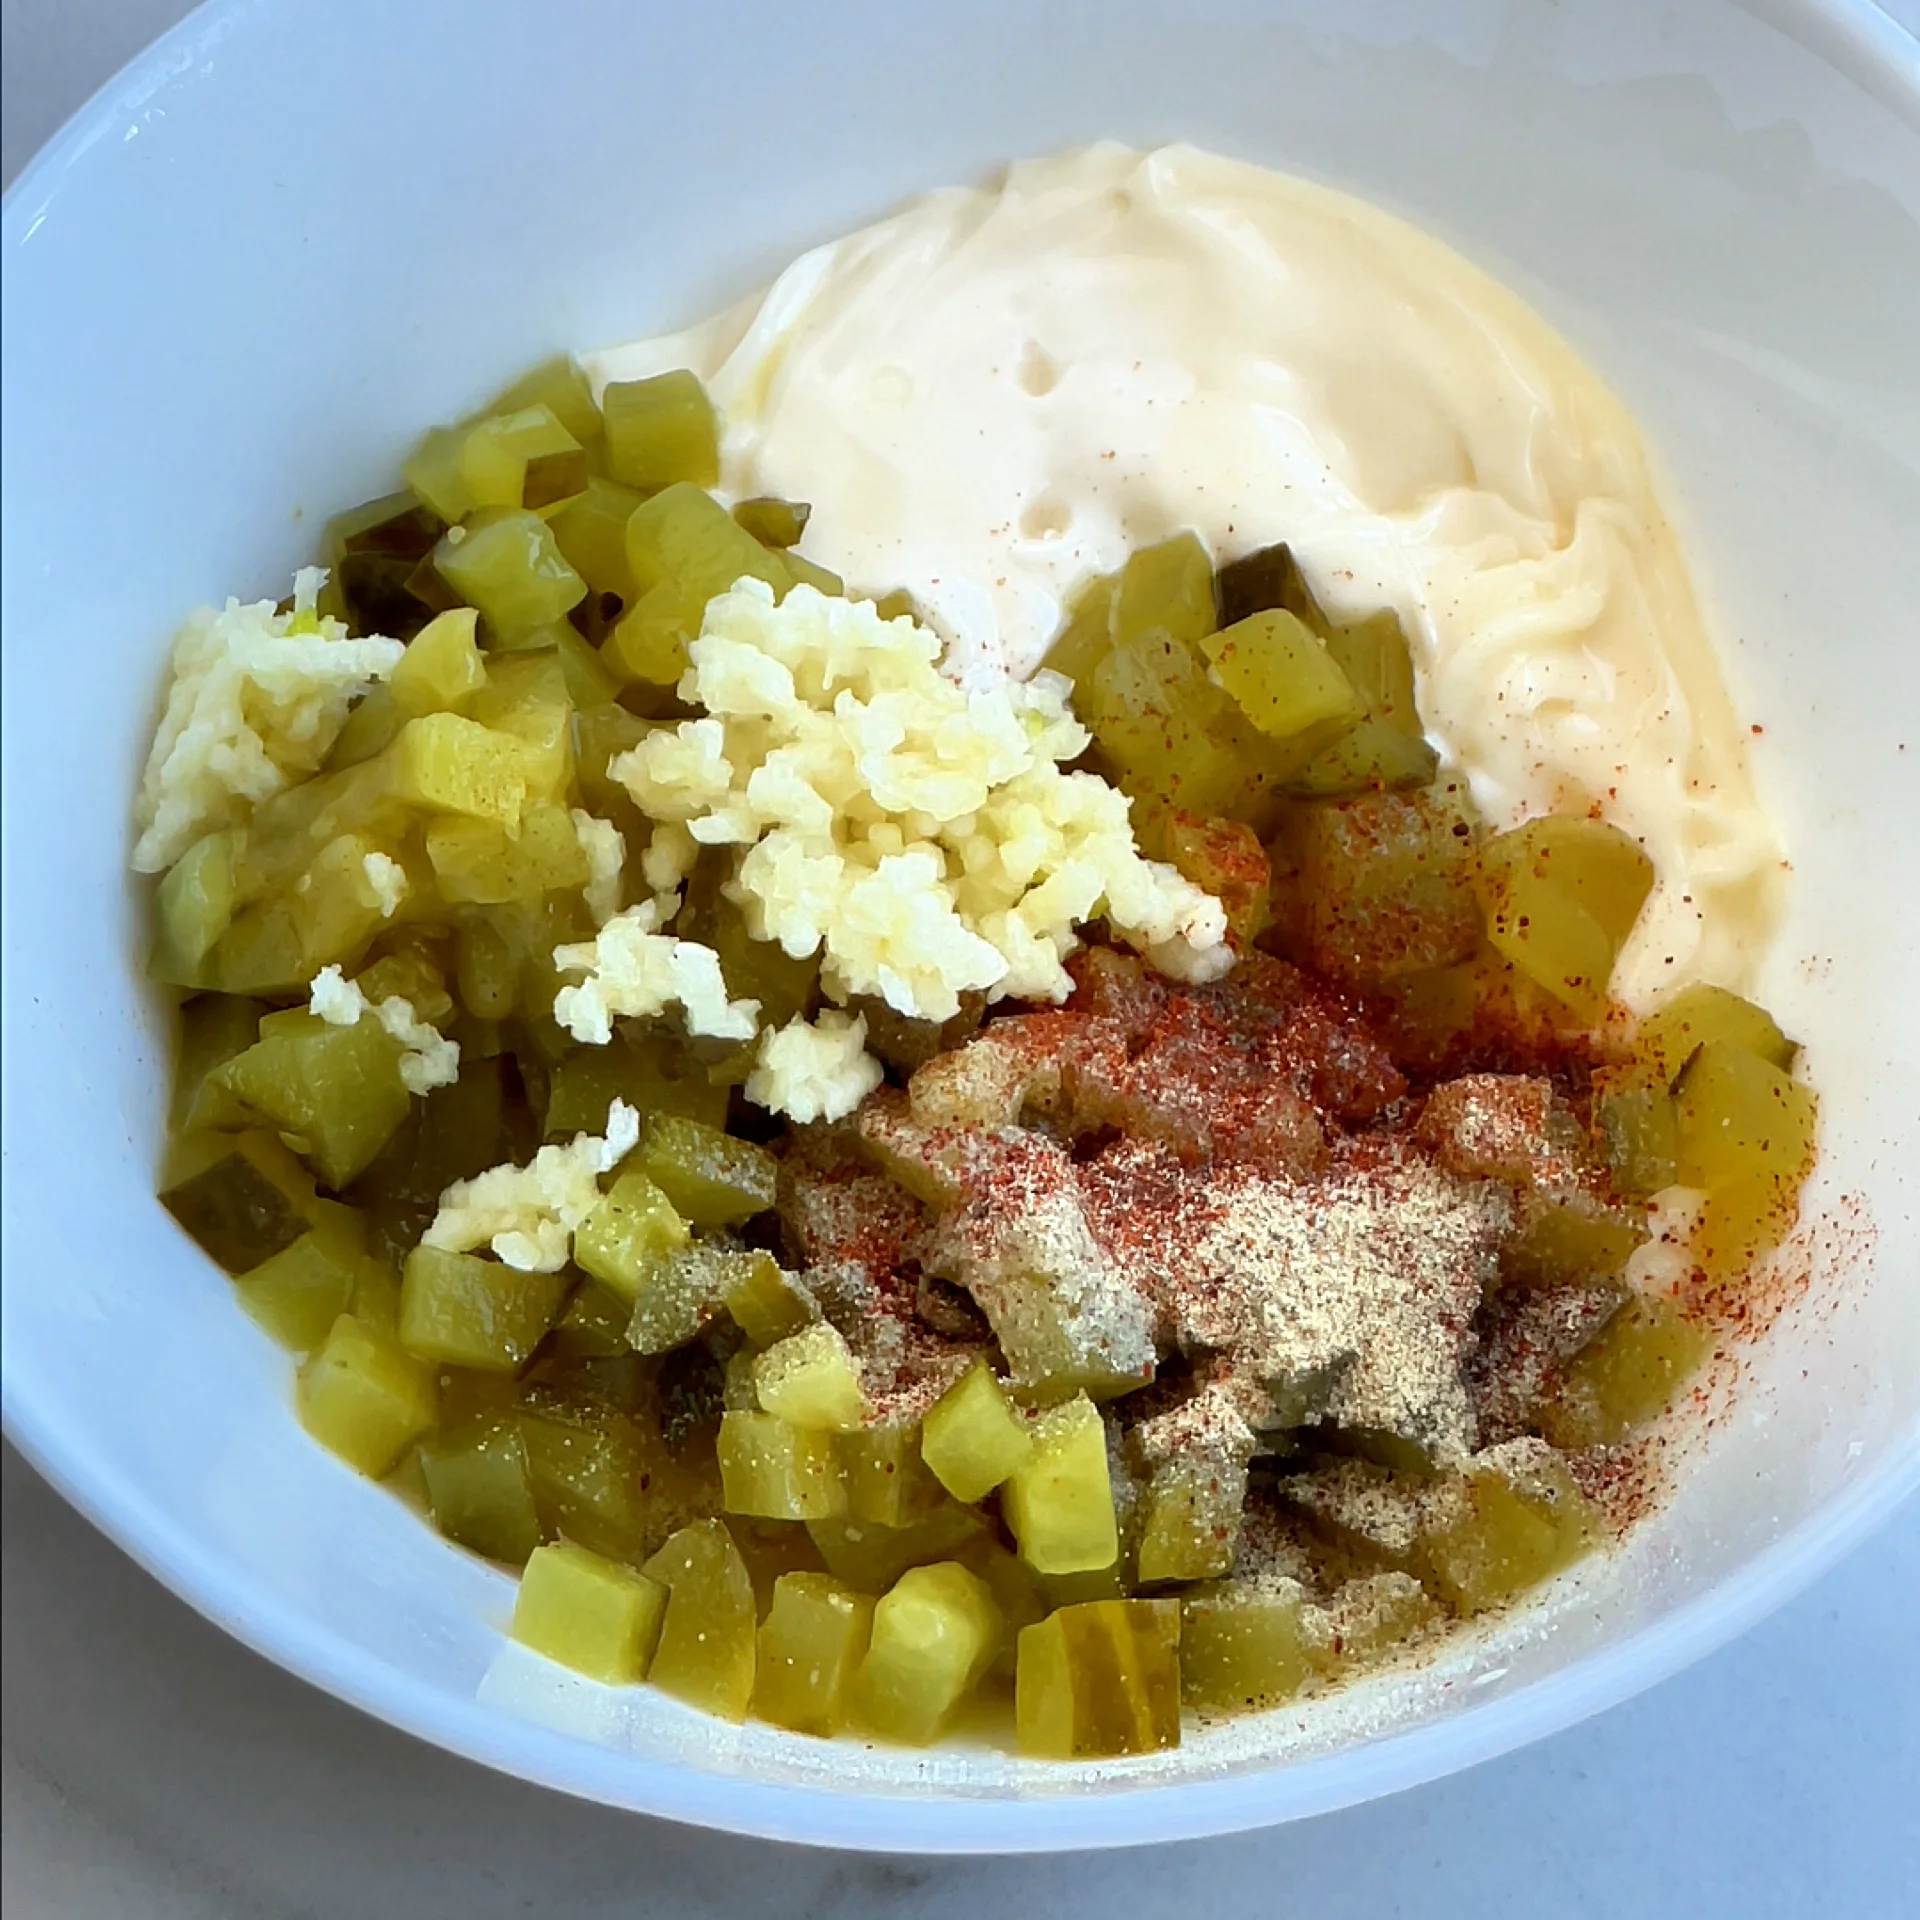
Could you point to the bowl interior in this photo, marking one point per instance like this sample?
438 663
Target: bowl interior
219 330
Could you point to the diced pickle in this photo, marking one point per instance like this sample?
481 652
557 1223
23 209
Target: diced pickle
1189 1521
1635 1129
480 1492
503 561
1100 1680
773 522
588 1613
767 1303
474 1312
1567 1234
586 1083
523 458
593 1323
449 764
364 1397
441 668
1505 1532
774 1470
810 1378
683 547
526 701
433 473
591 534
706 1650
479 863
629 1235
872 1557
1284 680
1366 1620
1387 882
1561 895
1225 858
1387 748
810 1647
336 1091
561 387
972 1439
935 1633
887 1481
678 1295
1242 1646
1741 1118
772 1549
214 1027
302 1290
1632 1372
661 430
1670 1034
1060 1504
192 908
712 1179
587 1467
243 1197
1267 577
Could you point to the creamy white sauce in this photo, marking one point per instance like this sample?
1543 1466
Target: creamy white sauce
999 392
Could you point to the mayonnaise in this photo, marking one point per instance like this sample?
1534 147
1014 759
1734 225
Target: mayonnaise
999 392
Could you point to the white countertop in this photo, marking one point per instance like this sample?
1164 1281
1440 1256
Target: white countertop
154 1770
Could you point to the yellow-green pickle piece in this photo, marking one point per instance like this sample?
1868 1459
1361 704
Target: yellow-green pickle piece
441 668
299 1292
935 1634
972 1439
504 561
810 1378
1284 680
771 1469
590 1614
811 1645
1631 1373
1739 1118
661 430
365 1397
192 908
629 1236
242 1196
1060 1504
1242 1646
1504 1528
1099 1681
887 1480
706 1650
467 1311
1668 1037
712 1179
479 1489
872 1556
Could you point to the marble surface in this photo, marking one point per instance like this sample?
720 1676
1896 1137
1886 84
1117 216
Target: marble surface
152 1768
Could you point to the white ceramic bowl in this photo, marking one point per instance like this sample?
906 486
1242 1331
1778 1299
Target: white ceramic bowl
296 231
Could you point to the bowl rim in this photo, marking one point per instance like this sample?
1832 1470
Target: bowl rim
1882 56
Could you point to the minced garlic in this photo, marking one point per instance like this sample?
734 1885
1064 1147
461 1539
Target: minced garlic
428 1058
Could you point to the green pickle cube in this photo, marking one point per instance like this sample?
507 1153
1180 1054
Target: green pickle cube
1060 1504
503 561
705 1656
590 1614
972 1439
1242 1646
767 1303
810 1378
629 1235
1281 676
1739 1117
1190 1522
935 1633
214 1027
364 1397
810 1647
887 1480
298 1293
586 1465
523 458
773 522
1506 1531
467 1311
1631 1372
1267 577
771 1469
480 1492
591 534
559 385
712 1179
1561 895
192 908
1100 1680
448 763
661 430
243 1197
680 1293
335 1092
1636 1129
1669 1036
871 1556
441 668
